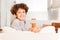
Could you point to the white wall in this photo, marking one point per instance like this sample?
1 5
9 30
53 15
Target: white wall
35 5
37 9
10 3
37 15
0 13
59 14
5 12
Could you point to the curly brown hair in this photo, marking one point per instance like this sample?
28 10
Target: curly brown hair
17 6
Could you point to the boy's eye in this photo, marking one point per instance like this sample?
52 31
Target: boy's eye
23 11
19 12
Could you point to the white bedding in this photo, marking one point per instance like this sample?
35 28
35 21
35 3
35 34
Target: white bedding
48 29
12 34
58 34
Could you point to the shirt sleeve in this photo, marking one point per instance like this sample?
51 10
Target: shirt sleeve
16 25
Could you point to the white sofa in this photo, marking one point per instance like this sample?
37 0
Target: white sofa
11 34
48 29
58 34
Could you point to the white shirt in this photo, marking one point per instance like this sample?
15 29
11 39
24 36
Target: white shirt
20 25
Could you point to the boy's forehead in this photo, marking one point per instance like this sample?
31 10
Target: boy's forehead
20 9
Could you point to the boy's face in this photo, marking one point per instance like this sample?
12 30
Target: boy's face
21 14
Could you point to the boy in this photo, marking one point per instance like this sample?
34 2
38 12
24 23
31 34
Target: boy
19 11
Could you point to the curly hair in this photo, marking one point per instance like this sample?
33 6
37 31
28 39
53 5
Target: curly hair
17 6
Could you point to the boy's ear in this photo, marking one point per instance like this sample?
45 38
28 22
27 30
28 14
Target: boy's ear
14 15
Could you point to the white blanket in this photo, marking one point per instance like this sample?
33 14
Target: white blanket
11 34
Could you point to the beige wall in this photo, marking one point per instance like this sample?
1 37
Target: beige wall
55 3
0 12
5 12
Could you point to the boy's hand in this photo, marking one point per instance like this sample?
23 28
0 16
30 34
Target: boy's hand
34 29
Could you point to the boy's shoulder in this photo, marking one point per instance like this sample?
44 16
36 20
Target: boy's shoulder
15 20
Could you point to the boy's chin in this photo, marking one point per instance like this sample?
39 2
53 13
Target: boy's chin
22 19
